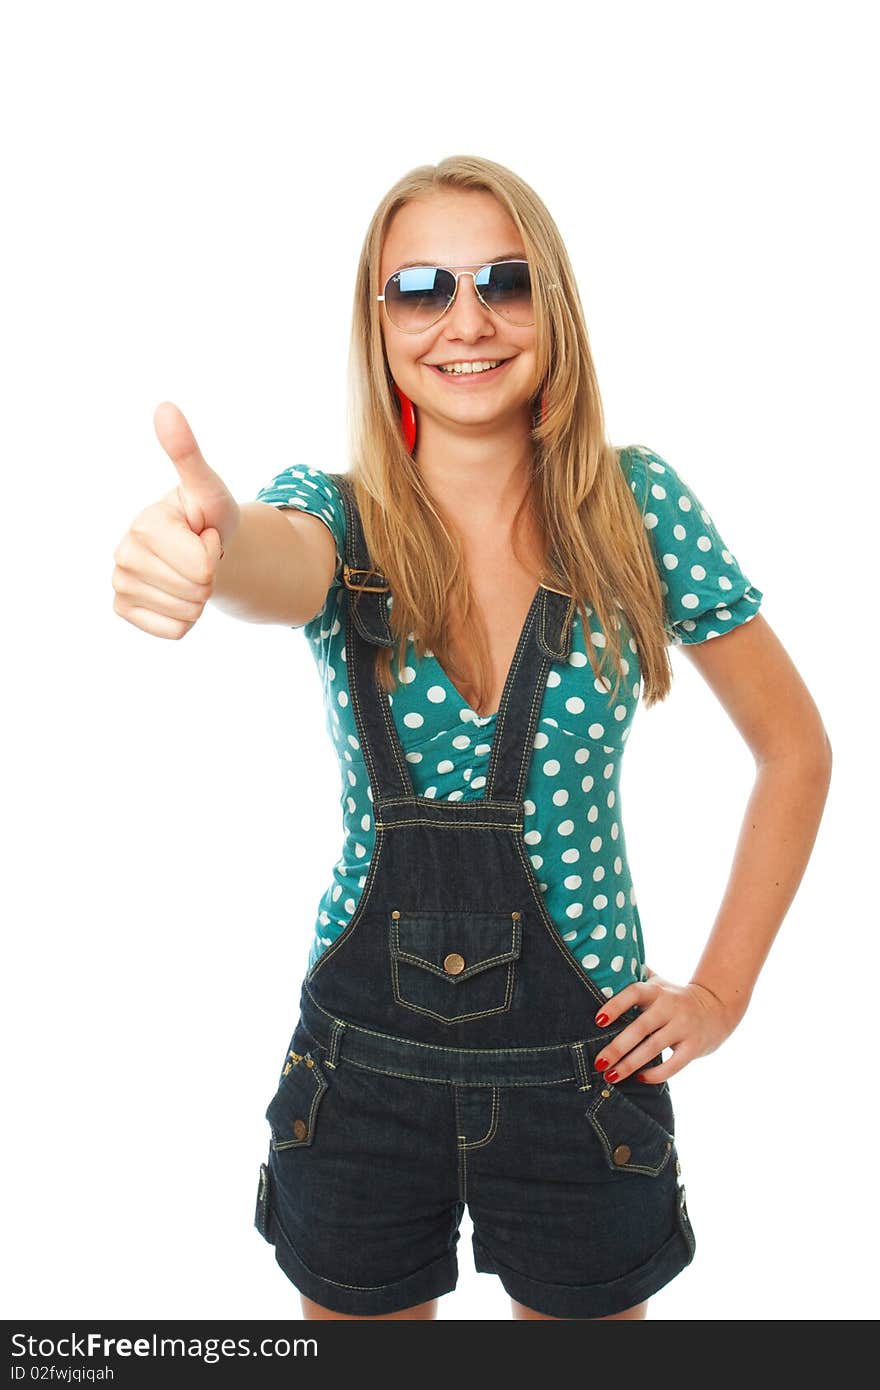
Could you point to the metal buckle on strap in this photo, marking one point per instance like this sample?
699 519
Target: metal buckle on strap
347 573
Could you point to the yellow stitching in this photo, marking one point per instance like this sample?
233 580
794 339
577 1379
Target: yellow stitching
452 1080
441 1047
606 1142
493 1124
454 1018
472 825
451 806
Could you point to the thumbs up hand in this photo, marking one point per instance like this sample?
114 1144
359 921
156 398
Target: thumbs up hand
166 562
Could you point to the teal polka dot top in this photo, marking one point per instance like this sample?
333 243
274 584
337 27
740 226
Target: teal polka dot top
573 824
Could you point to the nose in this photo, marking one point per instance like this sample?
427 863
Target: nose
467 311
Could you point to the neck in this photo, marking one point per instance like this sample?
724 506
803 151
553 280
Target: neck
476 479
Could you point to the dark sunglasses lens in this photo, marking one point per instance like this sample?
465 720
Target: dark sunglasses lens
507 288
415 298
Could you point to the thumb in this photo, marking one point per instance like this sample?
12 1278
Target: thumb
201 488
210 539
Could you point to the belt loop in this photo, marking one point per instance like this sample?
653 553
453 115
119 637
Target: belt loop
581 1069
336 1032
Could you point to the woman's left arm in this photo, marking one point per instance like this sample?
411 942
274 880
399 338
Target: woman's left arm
757 683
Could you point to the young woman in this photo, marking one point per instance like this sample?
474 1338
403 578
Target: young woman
488 592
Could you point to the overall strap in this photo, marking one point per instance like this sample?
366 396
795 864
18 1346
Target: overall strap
368 586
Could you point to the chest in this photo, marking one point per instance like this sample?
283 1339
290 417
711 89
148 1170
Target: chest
503 588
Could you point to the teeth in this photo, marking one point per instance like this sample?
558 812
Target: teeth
466 368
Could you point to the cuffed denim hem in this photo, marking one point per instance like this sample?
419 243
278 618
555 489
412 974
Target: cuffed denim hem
591 1300
433 1280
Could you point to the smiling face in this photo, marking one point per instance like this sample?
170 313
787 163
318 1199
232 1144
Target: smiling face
456 228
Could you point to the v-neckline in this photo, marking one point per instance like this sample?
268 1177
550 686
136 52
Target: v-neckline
483 719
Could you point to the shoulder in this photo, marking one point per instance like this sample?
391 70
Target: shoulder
308 489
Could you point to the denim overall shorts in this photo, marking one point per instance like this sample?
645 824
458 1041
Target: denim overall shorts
444 1054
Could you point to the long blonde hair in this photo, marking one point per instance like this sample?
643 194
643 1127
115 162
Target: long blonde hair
581 501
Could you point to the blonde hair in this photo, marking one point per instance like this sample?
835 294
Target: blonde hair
581 500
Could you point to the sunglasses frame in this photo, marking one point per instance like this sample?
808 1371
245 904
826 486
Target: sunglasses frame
456 271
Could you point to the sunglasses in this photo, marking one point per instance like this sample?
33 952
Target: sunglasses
415 298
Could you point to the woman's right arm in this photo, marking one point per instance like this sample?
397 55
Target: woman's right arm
277 568
255 561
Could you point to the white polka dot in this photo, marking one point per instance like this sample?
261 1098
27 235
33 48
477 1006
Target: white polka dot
413 720
560 797
573 881
407 675
436 694
550 768
617 962
461 741
532 837
574 704
574 909
566 827
596 730
445 766
607 991
590 962
598 932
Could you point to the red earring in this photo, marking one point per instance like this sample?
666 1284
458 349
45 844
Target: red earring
408 416
407 419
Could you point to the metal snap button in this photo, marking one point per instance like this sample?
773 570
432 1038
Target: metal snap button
300 1129
622 1154
454 963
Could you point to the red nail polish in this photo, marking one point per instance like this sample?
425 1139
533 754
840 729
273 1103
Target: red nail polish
601 1019
640 1076
601 1063
611 1076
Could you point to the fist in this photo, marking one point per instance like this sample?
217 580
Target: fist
167 560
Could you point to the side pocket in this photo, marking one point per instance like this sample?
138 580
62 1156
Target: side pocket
293 1110
632 1141
261 1215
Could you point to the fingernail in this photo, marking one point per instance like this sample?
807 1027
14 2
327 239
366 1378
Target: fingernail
611 1076
601 1063
640 1076
601 1019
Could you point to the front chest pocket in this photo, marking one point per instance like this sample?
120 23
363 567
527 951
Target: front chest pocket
455 966
293 1110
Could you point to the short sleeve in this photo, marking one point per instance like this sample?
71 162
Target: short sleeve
705 590
311 491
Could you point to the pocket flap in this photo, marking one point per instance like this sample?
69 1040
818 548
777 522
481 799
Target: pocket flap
632 1140
293 1110
456 945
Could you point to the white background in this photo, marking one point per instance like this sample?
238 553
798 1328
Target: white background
187 187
